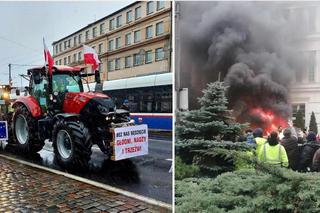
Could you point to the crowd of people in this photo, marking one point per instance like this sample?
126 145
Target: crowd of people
286 148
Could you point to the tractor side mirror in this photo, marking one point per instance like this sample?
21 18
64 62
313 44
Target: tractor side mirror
17 92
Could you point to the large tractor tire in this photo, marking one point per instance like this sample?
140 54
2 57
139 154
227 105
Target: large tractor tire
24 128
72 144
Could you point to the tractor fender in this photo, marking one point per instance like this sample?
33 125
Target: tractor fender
31 103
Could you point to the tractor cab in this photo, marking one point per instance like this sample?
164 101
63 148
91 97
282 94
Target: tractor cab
51 89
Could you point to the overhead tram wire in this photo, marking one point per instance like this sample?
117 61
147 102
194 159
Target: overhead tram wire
17 43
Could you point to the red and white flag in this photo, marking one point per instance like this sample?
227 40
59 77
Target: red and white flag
48 58
91 57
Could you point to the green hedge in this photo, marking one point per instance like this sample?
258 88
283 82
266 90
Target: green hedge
250 191
183 170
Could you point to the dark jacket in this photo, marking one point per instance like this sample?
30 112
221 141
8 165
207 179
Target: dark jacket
291 146
316 161
307 152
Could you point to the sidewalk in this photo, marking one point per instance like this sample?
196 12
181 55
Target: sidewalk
27 189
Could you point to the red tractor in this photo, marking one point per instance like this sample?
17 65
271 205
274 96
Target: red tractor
59 110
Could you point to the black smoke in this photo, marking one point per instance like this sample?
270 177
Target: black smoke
249 45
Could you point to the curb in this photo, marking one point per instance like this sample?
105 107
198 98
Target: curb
94 183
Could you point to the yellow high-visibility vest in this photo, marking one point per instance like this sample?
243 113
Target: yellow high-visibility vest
275 155
260 142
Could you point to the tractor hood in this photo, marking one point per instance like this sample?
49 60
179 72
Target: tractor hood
75 101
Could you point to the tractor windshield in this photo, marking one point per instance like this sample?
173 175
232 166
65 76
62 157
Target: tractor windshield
66 83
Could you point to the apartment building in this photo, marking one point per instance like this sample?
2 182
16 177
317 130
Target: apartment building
305 89
133 41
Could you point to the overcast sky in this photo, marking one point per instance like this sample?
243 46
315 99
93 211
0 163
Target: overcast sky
24 24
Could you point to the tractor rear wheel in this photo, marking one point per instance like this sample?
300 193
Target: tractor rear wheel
72 144
25 131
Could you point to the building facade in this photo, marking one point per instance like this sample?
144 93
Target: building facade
133 41
305 88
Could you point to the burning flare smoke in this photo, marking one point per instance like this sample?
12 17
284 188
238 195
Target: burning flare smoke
249 45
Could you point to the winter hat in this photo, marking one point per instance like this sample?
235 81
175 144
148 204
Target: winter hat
287 132
258 132
311 136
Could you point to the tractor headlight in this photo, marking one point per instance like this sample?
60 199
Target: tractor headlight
5 95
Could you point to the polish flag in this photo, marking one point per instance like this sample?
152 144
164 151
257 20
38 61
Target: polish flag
91 57
48 58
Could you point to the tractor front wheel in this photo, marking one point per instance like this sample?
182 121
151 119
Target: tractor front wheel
25 131
72 144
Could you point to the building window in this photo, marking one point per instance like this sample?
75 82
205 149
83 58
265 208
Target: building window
149 32
69 59
117 63
159 28
148 56
110 65
129 16
137 59
60 61
118 42
102 28
128 39
56 62
100 67
137 36
111 24
60 47
74 57
312 19
65 44
160 5
79 56
159 54
150 7
69 43
65 61
100 48
110 46
94 32
137 14
74 41
311 64
87 35
119 21
128 61
57 49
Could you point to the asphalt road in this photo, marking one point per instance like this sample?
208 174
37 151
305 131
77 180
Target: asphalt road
147 175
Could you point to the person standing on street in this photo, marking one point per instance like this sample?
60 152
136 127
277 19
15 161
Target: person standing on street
273 153
290 144
258 138
307 152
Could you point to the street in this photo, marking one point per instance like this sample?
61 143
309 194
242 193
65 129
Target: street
146 175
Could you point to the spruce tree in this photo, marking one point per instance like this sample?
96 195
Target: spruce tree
212 125
299 121
212 119
313 124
